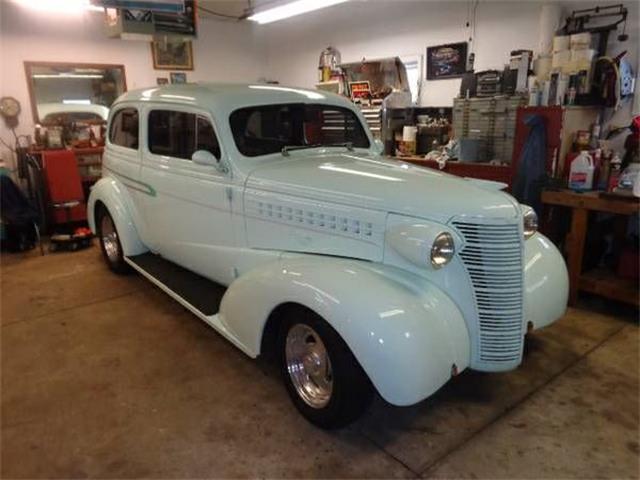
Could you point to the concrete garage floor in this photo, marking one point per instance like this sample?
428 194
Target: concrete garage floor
105 376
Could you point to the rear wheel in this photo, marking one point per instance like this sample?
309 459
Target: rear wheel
323 378
110 242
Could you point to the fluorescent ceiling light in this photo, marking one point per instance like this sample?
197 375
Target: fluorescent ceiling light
77 102
291 10
65 75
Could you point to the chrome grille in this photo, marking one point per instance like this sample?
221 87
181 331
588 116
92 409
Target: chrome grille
492 256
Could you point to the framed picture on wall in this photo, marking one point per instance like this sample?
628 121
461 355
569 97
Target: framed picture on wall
172 55
162 81
446 61
178 77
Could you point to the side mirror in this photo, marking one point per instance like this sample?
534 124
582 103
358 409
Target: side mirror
204 157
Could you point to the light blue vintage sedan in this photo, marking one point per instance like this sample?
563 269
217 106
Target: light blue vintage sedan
360 274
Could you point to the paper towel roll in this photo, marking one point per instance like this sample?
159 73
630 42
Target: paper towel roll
542 67
409 133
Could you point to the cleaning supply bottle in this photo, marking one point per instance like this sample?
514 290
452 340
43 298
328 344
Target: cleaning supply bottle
605 169
614 175
581 173
597 167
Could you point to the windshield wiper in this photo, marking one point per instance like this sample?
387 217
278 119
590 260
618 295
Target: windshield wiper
290 148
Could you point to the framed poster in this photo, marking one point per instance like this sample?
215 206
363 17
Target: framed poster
172 55
446 61
361 89
178 77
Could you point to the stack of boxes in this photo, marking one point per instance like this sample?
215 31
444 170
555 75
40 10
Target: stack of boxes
571 69
573 53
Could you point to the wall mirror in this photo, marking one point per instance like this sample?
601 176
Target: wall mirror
73 92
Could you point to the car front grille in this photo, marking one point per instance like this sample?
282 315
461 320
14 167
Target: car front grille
493 256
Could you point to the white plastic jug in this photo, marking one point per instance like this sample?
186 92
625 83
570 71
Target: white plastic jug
581 173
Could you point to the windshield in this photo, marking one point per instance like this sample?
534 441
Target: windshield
270 128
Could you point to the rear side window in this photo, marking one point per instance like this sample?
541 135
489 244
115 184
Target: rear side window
179 134
124 128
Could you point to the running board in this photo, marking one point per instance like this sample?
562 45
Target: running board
194 292
197 293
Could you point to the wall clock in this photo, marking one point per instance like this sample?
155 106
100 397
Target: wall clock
9 107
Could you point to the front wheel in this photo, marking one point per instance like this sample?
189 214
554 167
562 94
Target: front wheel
324 380
110 242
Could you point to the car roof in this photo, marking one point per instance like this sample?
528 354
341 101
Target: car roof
227 97
45 109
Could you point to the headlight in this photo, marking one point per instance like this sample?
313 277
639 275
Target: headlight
529 220
442 250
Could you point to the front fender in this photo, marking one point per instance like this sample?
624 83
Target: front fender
406 333
114 195
546 282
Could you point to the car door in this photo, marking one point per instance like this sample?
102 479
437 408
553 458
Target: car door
122 159
189 214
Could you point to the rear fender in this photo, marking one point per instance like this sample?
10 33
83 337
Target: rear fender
114 196
403 330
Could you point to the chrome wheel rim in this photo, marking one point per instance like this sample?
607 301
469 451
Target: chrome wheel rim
109 238
309 365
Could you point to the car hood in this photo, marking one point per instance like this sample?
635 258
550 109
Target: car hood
384 185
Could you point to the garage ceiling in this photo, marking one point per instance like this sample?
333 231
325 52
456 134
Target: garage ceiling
229 8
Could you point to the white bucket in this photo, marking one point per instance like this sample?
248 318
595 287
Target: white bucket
409 133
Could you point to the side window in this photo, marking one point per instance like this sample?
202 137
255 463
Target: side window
179 134
172 133
206 138
124 128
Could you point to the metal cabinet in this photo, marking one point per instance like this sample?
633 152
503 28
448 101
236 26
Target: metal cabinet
490 120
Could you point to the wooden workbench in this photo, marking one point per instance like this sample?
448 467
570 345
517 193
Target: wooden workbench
598 281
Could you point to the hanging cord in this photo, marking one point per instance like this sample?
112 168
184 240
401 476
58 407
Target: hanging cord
248 11
470 24
218 14
467 24
34 172
9 147
473 25
17 137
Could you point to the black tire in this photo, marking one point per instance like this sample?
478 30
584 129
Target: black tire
352 390
116 261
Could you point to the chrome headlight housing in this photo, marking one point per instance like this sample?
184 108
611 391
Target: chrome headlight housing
443 250
529 221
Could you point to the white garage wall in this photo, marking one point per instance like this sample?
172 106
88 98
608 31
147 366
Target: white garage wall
376 29
379 28
224 51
